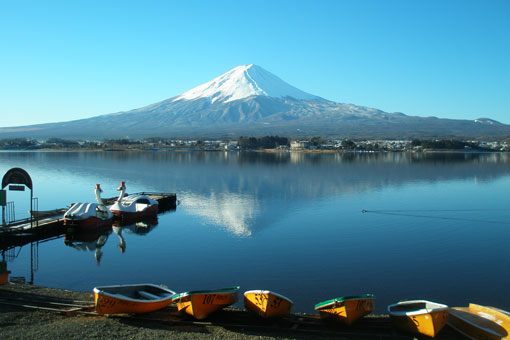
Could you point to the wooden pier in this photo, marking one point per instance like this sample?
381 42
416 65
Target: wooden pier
48 224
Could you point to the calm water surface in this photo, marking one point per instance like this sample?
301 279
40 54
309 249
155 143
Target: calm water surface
437 226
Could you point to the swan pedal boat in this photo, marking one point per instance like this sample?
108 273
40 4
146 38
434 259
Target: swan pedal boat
419 316
201 303
480 322
267 304
346 309
89 216
134 298
133 206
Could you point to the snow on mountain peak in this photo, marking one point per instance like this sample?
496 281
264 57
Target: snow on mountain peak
241 82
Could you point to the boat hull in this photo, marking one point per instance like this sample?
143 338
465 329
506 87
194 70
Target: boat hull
414 317
200 304
150 211
90 223
267 304
4 278
88 216
131 298
134 206
480 322
347 309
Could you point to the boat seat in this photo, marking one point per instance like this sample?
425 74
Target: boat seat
148 295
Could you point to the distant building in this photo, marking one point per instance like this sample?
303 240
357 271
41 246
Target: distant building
300 145
230 145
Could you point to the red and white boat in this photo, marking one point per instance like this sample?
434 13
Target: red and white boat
133 206
89 215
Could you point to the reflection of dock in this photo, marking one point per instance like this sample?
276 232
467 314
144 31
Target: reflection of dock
47 224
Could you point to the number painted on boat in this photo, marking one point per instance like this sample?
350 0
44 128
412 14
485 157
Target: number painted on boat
364 305
336 311
106 302
209 299
260 299
276 302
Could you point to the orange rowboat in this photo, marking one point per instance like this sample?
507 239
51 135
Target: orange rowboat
138 298
267 304
201 303
346 309
480 322
419 316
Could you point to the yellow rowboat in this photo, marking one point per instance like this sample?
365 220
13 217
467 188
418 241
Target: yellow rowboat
201 303
346 309
480 322
267 304
419 316
136 298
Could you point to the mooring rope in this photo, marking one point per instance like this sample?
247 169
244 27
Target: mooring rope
408 213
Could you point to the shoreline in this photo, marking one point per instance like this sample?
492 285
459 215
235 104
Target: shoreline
37 323
325 151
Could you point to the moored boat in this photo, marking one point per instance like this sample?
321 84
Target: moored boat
134 298
346 309
201 303
480 322
89 215
133 206
267 304
4 273
419 316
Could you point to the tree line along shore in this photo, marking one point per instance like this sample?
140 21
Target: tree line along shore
257 143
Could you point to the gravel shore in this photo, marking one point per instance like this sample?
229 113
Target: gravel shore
20 323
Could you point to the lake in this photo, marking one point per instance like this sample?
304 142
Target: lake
310 226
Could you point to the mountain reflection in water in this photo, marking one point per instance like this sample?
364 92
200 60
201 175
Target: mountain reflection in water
234 212
436 227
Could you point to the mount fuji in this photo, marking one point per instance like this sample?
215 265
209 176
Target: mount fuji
242 82
248 100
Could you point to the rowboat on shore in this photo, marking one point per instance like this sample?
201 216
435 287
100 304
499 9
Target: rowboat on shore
201 303
267 304
419 316
480 322
135 298
346 309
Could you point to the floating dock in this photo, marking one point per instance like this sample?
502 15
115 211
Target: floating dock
47 224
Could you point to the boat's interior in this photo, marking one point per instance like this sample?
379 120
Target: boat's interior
412 307
472 318
146 292
409 307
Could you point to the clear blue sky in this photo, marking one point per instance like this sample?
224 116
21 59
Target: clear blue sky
65 60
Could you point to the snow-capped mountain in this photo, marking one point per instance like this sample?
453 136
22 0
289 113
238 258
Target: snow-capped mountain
242 82
249 100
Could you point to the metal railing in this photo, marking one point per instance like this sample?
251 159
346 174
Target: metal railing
10 213
35 208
